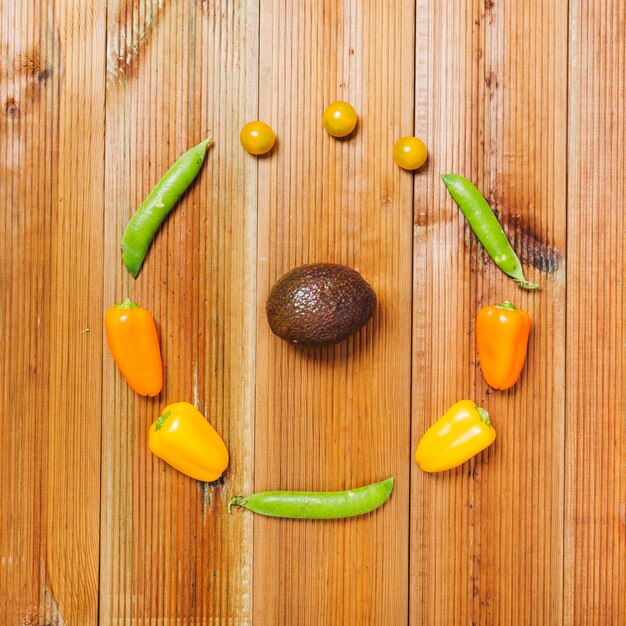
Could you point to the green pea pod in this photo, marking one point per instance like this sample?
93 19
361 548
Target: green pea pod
317 504
486 227
160 201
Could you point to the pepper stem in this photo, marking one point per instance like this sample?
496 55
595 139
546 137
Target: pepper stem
484 415
127 304
161 420
509 306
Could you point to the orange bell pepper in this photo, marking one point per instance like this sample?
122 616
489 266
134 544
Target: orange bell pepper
502 340
134 344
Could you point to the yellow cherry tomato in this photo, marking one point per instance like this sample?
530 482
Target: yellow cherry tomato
257 137
410 153
339 118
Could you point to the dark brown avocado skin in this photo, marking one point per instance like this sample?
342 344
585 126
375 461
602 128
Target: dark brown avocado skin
319 304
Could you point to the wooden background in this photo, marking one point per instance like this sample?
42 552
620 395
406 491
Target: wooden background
525 97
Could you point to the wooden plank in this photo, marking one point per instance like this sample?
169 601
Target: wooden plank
531 532
51 168
487 539
595 519
178 72
337 417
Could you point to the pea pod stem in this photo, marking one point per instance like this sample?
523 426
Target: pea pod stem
316 504
486 227
524 284
145 222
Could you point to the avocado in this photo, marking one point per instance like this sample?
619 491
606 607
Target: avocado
319 304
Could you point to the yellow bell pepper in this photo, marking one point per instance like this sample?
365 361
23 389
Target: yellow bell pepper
464 431
182 437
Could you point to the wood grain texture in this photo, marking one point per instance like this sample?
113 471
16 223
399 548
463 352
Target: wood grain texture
487 539
178 72
98 98
339 417
51 124
595 521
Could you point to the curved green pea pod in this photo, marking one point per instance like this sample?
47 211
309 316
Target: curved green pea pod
486 226
317 504
160 201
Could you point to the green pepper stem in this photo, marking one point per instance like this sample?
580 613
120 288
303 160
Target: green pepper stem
524 284
509 306
237 501
484 415
127 304
161 420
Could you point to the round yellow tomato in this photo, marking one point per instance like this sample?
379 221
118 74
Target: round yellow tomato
339 118
410 153
257 137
